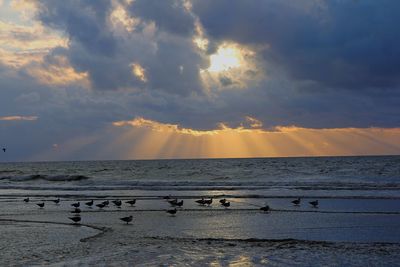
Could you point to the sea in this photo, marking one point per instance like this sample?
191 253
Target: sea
356 222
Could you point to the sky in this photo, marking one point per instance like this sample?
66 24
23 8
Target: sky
148 79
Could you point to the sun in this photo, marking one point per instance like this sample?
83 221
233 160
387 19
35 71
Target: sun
227 57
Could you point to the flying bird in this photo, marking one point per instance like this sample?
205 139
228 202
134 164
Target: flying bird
127 219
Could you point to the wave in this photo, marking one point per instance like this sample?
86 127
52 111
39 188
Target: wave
286 241
220 183
52 178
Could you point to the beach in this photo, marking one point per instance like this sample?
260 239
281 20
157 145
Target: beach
348 227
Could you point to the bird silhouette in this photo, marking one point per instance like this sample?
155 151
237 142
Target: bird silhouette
296 202
75 219
26 200
266 208
41 205
101 205
201 201
222 201
76 211
117 203
90 203
4 149
76 205
131 202
172 212
226 204
56 201
314 203
127 219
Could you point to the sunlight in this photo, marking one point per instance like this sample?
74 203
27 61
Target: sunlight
226 58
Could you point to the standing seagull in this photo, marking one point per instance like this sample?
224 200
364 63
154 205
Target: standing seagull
75 219
296 202
89 204
172 212
226 204
314 203
127 219
265 208
131 202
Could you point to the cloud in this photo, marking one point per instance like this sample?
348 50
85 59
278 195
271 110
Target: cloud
18 118
187 66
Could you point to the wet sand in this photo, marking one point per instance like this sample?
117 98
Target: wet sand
340 232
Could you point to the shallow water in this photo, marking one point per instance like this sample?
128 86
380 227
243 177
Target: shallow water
356 223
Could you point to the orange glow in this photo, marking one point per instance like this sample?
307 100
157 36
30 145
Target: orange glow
151 139
18 118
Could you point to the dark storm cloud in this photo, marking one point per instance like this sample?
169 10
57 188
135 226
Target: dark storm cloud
169 15
341 44
171 63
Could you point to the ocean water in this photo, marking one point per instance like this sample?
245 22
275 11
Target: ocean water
356 223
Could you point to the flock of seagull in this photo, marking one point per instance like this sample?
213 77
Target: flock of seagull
174 202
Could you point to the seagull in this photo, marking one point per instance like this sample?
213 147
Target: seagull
26 200
296 202
127 219
90 203
226 204
208 201
222 201
177 203
41 205
4 149
172 212
56 201
75 219
106 202
131 202
117 203
314 203
265 208
201 201
76 210
101 205
173 202
76 205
